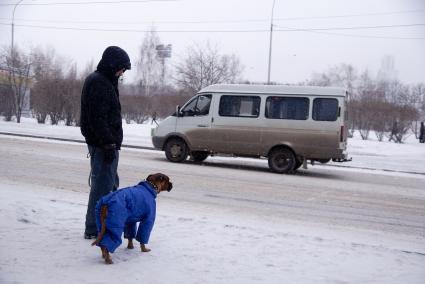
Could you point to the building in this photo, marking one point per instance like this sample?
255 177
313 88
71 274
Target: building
6 92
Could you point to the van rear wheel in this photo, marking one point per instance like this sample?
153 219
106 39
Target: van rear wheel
176 150
282 160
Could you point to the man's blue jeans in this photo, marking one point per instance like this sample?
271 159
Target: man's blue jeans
103 180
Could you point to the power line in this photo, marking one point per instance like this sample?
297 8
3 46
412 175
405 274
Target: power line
223 31
223 21
322 31
349 28
87 2
351 15
366 36
312 30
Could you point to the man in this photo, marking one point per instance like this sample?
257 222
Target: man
101 126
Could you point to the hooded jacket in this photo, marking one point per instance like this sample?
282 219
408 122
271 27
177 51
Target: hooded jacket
101 121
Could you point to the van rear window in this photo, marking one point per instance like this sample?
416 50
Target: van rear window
287 108
325 109
239 106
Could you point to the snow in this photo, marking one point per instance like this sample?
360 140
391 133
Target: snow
41 242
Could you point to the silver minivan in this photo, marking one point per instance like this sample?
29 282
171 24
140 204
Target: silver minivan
288 125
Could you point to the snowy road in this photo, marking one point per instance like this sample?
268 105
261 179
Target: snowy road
357 225
346 198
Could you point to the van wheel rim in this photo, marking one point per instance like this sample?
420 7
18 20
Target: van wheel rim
175 150
282 161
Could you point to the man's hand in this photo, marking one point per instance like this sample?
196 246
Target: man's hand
109 153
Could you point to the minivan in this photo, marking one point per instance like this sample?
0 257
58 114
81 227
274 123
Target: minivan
288 125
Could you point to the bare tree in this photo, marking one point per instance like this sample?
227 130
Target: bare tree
71 96
165 104
17 65
148 63
135 108
56 89
45 68
343 75
366 94
89 68
402 118
417 94
205 66
381 116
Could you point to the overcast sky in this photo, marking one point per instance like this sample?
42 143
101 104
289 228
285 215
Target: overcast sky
240 27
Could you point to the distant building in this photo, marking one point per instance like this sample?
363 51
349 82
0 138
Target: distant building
6 88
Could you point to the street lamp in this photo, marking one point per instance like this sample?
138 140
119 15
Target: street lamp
13 22
270 44
163 51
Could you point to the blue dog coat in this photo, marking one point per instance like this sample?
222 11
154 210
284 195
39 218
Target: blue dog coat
126 207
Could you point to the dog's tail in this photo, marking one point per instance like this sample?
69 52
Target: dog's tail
103 214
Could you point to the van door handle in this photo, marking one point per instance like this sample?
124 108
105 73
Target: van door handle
202 125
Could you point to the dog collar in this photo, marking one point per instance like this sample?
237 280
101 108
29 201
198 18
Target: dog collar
154 186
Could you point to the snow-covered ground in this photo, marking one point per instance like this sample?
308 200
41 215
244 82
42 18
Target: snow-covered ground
41 242
193 242
366 154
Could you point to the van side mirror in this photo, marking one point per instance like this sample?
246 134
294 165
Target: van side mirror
178 113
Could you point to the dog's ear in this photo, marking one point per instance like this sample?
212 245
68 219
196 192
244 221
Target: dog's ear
161 177
169 186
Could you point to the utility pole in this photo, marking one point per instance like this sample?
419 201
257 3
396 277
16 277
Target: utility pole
270 44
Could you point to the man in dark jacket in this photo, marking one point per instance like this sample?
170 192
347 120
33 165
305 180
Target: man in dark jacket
101 125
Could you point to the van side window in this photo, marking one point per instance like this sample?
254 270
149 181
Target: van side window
325 109
199 105
239 106
287 108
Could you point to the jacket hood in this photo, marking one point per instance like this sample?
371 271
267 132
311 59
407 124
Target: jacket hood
113 59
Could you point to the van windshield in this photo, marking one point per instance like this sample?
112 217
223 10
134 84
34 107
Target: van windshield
199 105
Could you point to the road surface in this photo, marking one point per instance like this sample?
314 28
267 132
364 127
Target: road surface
319 195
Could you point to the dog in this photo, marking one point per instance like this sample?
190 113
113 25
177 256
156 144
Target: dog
121 210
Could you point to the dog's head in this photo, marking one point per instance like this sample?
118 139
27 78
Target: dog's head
161 181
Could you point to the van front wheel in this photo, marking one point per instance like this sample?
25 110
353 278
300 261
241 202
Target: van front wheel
282 160
176 150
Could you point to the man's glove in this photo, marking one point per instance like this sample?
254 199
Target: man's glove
109 152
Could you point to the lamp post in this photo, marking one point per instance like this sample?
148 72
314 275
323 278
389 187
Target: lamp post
270 44
13 23
163 51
